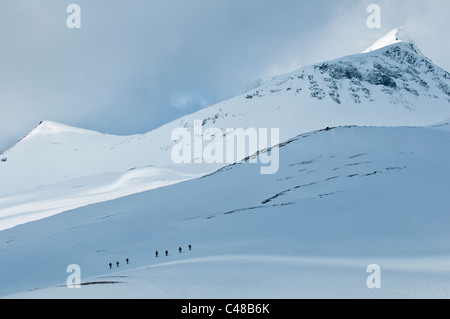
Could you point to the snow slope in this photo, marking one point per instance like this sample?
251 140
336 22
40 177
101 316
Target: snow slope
343 199
56 168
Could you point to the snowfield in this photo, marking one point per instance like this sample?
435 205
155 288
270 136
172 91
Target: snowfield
343 199
363 180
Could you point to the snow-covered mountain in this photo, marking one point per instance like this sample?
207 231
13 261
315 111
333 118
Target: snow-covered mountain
57 167
345 196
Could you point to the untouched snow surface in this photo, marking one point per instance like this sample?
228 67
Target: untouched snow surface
343 199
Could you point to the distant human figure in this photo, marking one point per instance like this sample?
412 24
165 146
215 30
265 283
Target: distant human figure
167 253
190 247
127 260
117 263
110 265
179 249
156 254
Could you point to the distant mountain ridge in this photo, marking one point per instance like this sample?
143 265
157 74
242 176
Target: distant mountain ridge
399 71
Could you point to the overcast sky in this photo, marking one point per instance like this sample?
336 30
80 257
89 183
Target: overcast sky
135 65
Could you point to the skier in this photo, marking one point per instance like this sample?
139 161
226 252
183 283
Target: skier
156 254
110 265
117 263
179 249
167 253
190 247
127 260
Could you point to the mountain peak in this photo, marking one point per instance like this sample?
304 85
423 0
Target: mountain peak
392 37
50 127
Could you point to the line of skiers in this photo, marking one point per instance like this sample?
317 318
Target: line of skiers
117 263
180 250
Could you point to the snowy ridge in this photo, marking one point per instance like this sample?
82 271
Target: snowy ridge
392 37
444 125
394 75
50 127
